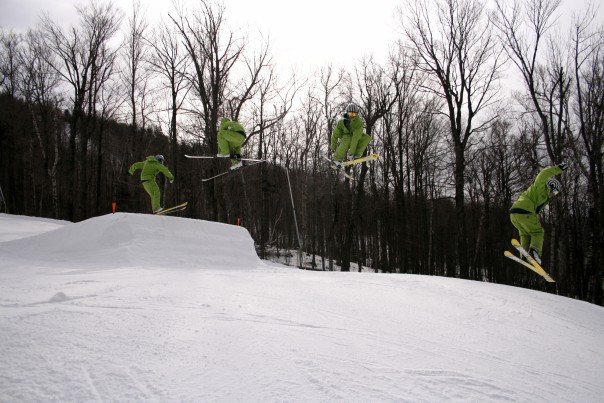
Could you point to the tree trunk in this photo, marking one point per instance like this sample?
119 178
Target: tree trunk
460 212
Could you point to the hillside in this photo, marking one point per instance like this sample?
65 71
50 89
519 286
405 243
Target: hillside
131 307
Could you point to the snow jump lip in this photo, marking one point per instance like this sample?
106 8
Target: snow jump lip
128 240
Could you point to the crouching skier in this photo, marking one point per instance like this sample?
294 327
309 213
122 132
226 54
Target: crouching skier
524 213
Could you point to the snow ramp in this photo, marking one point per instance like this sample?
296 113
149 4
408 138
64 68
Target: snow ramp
131 240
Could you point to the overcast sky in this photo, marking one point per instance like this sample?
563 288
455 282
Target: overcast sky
304 34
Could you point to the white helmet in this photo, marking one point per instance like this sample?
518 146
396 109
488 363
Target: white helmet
160 158
352 108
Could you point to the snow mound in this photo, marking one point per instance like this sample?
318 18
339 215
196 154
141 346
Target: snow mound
131 240
17 227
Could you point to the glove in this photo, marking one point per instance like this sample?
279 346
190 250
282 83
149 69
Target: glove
563 166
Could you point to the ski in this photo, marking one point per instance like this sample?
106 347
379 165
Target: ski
370 157
173 209
338 169
532 261
531 264
216 157
233 170
515 258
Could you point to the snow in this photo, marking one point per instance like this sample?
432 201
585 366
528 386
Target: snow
126 240
15 227
145 308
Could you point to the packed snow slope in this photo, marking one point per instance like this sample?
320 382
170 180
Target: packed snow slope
133 307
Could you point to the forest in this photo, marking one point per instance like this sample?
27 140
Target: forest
79 104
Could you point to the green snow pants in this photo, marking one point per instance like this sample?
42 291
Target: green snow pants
344 147
153 190
530 230
229 142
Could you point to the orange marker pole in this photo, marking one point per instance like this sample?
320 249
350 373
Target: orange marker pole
113 207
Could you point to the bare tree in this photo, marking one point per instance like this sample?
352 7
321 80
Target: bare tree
523 25
330 80
269 107
457 48
104 101
409 142
171 62
39 87
588 65
491 171
135 75
329 102
9 66
77 54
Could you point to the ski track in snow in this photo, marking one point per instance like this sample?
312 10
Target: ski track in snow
109 329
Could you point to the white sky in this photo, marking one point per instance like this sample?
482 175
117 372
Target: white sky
305 35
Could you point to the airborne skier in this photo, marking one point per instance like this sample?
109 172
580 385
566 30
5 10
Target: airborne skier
231 136
349 137
150 167
524 212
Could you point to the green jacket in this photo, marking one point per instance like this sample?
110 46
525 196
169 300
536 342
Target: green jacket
150 168
347 127
232 125
536 196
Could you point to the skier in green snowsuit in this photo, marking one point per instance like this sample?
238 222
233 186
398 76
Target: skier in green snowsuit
151 166
231 136
349 137
524 212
